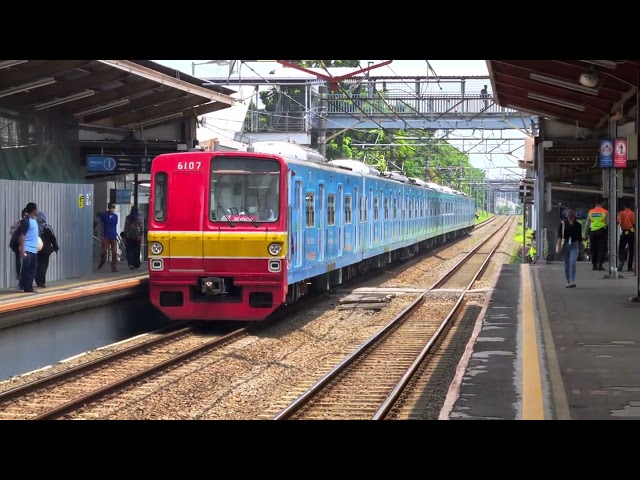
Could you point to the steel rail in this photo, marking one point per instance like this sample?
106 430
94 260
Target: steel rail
78 402
173 331
395 394
297 404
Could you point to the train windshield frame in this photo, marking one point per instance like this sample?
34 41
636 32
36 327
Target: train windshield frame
244 190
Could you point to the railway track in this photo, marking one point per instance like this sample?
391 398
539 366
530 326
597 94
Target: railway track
70 390
54 396
369 383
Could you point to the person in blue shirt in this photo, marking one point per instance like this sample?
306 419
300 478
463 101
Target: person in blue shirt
109 221
29 234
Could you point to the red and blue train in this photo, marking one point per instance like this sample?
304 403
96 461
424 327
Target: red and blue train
235 235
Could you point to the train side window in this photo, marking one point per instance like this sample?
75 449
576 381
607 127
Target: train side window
331 209
310 209
395 208
386 208
376 214
160 197
347 209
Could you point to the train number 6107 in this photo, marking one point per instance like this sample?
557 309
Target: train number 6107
189 165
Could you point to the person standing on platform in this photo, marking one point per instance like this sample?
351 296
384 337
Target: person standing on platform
109 221
28 249
627 222
49 245
596 228
14 243
569 239
133 231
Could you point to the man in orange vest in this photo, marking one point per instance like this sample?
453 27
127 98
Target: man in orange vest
627 222
596 228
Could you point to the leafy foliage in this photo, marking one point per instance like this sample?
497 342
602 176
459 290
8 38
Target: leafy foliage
429 159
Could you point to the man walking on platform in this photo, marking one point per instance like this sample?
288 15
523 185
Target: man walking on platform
596 228
627 222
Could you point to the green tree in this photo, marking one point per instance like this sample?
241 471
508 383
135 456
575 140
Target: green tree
328 63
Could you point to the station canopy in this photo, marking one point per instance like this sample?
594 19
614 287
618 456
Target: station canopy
126 94
586 92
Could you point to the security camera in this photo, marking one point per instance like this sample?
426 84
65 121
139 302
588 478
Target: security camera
589 79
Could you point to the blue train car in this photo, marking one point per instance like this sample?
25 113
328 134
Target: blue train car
346 218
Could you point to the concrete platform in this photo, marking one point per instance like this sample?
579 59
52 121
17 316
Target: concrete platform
543 351
96 289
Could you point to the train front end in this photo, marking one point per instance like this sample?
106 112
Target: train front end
218 235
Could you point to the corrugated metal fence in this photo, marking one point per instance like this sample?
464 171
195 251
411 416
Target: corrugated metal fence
72 225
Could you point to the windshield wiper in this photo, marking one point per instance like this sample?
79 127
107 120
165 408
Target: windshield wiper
231 224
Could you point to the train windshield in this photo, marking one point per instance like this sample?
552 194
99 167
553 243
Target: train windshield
244 190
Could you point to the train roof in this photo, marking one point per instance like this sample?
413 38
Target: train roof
295 152
287 150
355 166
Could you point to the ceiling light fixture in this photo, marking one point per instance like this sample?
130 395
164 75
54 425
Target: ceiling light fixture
160 119
602 63
43 82
60 101
558 82
102 108
556 101
11 63
533 112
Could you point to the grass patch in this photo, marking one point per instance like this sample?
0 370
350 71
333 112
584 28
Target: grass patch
516 257
484 215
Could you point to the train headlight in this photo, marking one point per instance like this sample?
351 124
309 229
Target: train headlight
275 249
156 248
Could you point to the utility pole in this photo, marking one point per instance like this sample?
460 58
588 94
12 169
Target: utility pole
322 121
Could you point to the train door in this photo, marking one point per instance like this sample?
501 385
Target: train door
340 220
356 215
395 216
403 212
370 205
298 224
385 209
321 224
187 213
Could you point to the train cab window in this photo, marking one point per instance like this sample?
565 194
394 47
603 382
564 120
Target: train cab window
160 197
386 209
310 210
376 214
347 209
249 187
331 210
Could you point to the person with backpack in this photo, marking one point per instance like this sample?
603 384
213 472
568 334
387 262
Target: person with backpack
133 233
14 243
49 245
29 245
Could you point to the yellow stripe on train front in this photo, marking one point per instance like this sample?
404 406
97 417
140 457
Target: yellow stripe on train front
219 244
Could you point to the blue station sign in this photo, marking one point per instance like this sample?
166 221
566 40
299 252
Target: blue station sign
118 163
